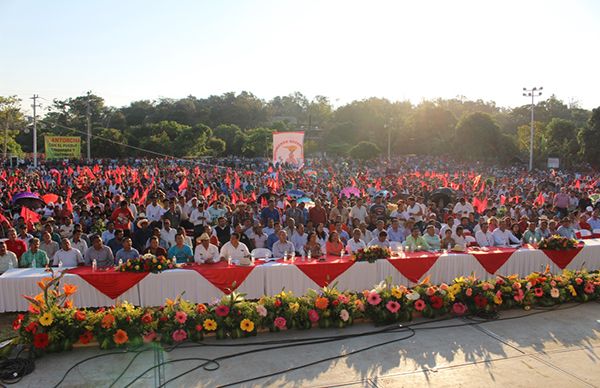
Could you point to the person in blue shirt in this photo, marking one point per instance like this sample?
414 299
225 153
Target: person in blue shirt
127 252
565 230
183 253
269 212
274 237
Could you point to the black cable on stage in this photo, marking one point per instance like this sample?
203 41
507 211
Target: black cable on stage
300 342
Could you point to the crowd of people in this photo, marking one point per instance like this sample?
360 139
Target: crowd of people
111 211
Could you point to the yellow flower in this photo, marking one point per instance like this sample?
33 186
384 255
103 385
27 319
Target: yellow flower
572 290
396 293
209 325
294 307
46 319
159 266
169 302
497 300
154 260
246 325
137 267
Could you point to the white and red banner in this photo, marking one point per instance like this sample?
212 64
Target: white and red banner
288 147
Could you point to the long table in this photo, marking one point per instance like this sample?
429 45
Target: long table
208 282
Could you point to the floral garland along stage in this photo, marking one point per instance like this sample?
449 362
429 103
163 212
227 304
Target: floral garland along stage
557 243
53 324
147 263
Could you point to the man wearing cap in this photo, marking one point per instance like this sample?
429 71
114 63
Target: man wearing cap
142 233
432 238
206 252
543 231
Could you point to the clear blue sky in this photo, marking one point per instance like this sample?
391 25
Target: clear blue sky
125 50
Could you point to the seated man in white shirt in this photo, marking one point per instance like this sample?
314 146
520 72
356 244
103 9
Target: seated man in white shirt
281 246
355 243
299 239
206 252
167 233
503 237
483 236
69 257
381 240
234 248
459 237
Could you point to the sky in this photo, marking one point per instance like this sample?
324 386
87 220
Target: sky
127 50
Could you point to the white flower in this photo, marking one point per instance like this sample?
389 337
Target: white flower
344 315
413 296
555 293
261 310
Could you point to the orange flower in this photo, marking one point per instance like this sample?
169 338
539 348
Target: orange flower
201 308
68 304
120 337
108 321
69 289
321 303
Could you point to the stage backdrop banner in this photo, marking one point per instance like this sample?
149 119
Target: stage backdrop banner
288 147
62 147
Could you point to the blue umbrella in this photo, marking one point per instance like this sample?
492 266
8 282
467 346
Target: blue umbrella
28 199
304 199
295 193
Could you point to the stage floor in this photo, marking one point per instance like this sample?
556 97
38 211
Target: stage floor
551 349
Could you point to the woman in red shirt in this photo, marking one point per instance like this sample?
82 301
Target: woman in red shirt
334 246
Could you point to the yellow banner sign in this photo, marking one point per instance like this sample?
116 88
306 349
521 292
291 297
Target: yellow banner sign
63 147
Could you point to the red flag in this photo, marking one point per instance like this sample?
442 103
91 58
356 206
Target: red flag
4 220
502 200
206 192
50 198
539 200
183 185
577 184
144 196
476 181
234 198
30 217
263 202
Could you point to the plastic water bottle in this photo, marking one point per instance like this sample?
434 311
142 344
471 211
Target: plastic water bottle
33 264
94 265
10 264
120 262
309 255
285 255
229 260
60 264
252 258
449 247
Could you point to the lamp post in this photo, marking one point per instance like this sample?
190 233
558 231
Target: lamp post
533 92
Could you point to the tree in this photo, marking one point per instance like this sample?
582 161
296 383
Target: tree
561 139
589 139
365 151
258 142
109 143
232 136
11 120
477 137
216 146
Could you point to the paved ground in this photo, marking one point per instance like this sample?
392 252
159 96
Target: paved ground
551 349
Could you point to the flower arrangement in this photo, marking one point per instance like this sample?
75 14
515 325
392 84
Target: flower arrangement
372 254
147 263
53 324
557 243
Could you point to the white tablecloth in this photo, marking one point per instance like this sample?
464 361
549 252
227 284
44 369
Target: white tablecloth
273 277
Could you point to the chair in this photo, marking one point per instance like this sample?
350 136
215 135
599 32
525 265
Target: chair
585 232
596 231
471 241
261 253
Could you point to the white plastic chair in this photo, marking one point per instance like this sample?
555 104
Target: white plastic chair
585 232
262 253
470 239
596 231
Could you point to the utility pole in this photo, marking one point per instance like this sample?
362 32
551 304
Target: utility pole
6 125
533 92
35 106
88 116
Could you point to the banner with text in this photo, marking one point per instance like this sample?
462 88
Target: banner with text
62 147
288 147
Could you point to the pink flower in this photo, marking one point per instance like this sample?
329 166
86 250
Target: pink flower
343 299
444 287
578 281
516 285
280 323
519 295
555 293
459 308
149 337
261 310
181 317
538 291
589 288
499 281
222 310
553 283
313 315
344 315
179 335
392 306
373 298
469 292
419 305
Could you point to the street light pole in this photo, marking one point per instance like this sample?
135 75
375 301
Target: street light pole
35 105
533 92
